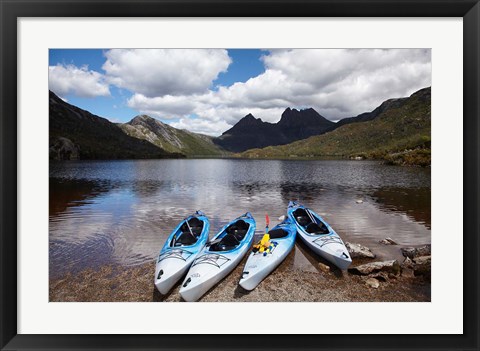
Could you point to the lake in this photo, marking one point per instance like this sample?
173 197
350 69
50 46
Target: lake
121 212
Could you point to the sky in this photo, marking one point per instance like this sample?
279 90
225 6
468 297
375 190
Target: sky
209 90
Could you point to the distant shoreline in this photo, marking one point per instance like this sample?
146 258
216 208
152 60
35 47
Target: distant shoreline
387 160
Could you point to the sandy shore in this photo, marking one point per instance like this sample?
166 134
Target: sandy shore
316 281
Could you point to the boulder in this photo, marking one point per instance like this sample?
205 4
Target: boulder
373 283
373 267
388 241
359 251
407 268
412 252
407 263
423 267
423 260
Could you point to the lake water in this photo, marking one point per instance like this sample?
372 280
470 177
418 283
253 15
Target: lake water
121 212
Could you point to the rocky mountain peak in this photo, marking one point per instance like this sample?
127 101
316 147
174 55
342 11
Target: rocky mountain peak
140 119
424 94
249 119
294 117
251 132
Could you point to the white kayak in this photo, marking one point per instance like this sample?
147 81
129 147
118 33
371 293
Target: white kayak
219 257
318 235
180 250
260 264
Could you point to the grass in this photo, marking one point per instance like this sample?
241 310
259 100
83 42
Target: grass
398 135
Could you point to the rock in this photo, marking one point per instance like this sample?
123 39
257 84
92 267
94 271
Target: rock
407 263
373 283
359 251
408 252
407 268
423 267
323 267
373 267
383 276
388 241
423 260
412 252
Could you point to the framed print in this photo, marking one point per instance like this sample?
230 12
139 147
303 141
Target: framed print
252 175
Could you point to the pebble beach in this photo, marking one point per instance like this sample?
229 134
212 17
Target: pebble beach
314 281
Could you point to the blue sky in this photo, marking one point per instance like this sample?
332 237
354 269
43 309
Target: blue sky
209 90
245 65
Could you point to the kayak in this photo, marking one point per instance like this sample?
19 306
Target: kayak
180 250
260 264
318 235
219 257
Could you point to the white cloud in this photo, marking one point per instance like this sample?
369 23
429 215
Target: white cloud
201 126
337 83
176 83
160 72
65 79
165 107
347 82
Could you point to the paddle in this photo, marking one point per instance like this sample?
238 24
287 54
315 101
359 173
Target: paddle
189 229
210 243
263 245
310 215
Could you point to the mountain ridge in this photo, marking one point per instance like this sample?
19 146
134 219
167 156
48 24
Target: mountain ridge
250 132
399 132
75 133
368 116
79 134
170 138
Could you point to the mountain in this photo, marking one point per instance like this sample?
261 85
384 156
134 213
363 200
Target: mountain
302 124
368 116
169 138
77 134
399 131
251 132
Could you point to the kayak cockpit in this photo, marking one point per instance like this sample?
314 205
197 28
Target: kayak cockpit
311 223
188 234
232 237
277 233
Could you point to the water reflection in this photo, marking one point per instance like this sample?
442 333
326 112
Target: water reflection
415 203
69 193
122 211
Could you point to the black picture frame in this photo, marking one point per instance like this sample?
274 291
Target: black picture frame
12 9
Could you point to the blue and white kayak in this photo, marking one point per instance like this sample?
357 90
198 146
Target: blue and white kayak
180 250
318 235
260 264
219 257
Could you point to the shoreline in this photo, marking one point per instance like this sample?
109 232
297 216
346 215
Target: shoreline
393 159
318 282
